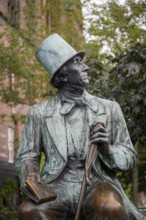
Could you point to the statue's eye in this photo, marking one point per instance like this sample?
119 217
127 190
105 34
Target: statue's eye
76 60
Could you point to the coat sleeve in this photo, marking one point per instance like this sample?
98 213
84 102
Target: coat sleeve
29 152
122 155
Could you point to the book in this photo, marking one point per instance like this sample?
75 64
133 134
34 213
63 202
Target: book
38 192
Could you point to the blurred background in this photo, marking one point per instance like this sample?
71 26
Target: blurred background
113 35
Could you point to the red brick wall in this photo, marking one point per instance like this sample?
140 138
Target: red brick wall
4 11
4 6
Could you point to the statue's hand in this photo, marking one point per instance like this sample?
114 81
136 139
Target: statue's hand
34 177
100 137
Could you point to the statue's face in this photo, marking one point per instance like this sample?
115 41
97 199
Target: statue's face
77 72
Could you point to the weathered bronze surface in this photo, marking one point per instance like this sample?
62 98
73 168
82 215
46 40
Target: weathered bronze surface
88 166
64 128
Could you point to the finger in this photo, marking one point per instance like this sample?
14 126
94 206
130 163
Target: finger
38 179
98 129
32 178
100 141
96 123
98 135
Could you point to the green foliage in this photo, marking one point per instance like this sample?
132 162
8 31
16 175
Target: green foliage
8 200
125 180
120 73
115 27
141 168
66 19
129 80
18 62
98 78
128 83
42 161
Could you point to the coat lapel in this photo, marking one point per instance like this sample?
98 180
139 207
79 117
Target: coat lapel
56 126
96 110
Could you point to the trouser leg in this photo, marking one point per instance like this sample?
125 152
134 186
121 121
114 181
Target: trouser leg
103 202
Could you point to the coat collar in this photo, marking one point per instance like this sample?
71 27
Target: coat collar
56 107
86 99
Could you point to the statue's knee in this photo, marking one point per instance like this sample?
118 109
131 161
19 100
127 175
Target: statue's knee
26 210
111 206
108 202
105 201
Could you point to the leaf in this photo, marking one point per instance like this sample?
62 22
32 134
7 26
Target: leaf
133 68
144 100
143 53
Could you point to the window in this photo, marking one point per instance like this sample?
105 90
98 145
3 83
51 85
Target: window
11 145
13 12
11 77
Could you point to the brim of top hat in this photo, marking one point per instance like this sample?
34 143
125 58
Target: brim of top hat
80 53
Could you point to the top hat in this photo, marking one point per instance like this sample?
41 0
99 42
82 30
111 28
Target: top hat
54 52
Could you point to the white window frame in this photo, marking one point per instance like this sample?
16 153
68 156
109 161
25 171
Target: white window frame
10 145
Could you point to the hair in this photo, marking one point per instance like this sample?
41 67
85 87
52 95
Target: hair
57 81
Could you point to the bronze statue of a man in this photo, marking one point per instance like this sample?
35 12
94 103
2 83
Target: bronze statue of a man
63 129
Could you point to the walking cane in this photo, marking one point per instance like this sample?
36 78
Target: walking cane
86 182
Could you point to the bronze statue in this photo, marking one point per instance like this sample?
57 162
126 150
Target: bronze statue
64 128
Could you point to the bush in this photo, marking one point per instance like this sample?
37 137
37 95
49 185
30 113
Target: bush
9 200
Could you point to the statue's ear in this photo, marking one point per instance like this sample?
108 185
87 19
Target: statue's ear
57 79
63 74
63 79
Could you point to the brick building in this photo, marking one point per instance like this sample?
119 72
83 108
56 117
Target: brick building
9 130
35 17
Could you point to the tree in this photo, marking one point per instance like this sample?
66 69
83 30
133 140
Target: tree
9 199
129 88
129 79
65 18
18 62
113 27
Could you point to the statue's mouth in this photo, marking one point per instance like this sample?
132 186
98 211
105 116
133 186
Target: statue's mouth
85 75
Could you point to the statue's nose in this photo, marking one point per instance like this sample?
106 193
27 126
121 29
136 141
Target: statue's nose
85 68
